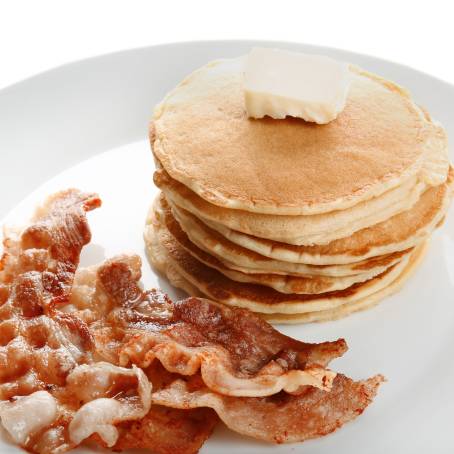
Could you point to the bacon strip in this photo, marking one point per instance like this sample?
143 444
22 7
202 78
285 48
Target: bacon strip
206 343
41 346
281 418
237 353
36 273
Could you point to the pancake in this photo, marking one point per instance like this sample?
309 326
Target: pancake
380 141
398 233
358 305
164 251
242 259
327 315
170 230
296 230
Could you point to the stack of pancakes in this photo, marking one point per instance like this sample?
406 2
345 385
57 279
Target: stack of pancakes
297 221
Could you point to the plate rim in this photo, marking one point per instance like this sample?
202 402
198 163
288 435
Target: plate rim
118 53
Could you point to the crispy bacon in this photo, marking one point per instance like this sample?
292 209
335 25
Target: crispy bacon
281 418
36 273
219 351
43 350
39 262
236 352
41 346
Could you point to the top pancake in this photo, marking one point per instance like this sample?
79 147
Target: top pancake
203 138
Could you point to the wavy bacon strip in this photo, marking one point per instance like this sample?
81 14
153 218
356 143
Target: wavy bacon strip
236 352
36 273
281 418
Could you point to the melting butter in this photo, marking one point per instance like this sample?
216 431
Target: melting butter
280 83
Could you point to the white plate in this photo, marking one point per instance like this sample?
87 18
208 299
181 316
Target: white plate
102 106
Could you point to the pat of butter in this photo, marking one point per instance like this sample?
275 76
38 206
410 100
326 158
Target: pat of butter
280 83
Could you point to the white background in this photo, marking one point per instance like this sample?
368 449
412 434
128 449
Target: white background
38 35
